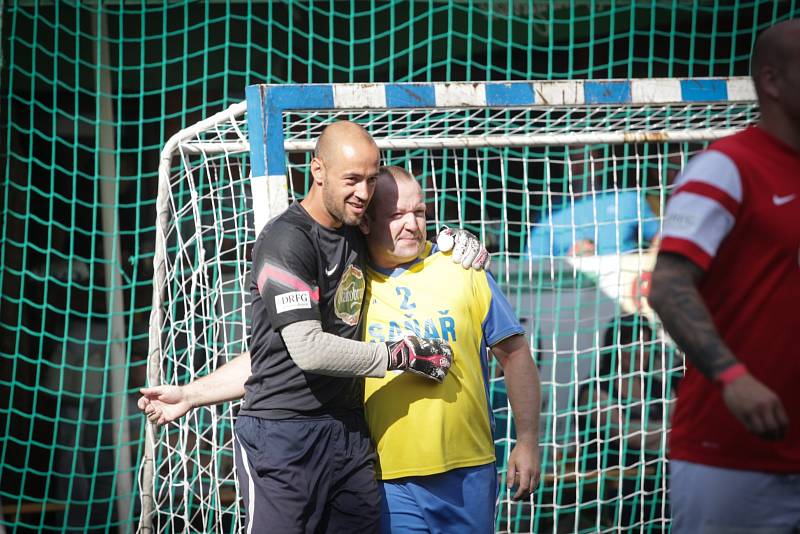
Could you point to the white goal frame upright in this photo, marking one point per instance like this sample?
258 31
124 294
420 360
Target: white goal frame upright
255 133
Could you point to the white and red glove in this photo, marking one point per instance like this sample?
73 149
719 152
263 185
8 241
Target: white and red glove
430 358
467 249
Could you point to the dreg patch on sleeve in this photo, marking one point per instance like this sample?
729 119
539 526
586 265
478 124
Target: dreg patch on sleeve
294 300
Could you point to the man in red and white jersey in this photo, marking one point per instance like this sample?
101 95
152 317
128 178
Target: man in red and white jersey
727 288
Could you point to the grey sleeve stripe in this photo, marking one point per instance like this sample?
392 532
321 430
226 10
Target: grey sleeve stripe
318 352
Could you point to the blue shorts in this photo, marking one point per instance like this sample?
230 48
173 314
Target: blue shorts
715 500
461 500
309 475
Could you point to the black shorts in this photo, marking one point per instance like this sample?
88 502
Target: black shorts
307 474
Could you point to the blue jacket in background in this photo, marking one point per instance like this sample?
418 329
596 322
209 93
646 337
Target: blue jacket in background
615 221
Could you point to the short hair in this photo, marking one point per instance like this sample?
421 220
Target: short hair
393 172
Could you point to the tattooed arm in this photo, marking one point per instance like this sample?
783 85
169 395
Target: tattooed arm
674 296
677 301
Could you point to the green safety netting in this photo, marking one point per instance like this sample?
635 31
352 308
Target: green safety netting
91 91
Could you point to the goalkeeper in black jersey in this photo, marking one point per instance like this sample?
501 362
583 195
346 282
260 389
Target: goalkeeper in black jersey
304 458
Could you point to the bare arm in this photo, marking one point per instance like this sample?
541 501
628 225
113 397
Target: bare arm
522 381
224 384
311 348
674 296
163 404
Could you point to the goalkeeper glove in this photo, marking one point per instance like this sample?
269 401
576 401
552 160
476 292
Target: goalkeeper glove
467 249
430 358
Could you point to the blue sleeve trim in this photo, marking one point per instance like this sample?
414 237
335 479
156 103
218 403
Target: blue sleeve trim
501 321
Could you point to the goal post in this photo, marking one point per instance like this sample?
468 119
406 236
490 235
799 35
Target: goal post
504 160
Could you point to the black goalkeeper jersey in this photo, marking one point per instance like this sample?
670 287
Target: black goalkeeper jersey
302 271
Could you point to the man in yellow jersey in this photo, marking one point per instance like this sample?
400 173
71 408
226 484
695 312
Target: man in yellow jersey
436 464
434 442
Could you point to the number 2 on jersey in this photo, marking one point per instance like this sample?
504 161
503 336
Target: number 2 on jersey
405 293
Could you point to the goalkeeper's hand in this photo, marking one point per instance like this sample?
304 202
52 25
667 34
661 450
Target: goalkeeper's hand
430 358
163 404
467 249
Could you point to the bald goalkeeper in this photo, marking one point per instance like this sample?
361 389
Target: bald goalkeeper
304 457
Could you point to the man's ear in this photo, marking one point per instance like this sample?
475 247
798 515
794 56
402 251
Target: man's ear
364 224
770 81
317 171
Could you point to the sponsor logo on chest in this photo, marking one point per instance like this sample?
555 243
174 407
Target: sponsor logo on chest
350 296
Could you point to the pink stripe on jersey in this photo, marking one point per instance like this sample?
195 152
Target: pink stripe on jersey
686 248
286 278
711 192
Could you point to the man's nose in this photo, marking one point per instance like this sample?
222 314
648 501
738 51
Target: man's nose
362 190
410 222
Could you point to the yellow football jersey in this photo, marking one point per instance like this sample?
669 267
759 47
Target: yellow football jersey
420 427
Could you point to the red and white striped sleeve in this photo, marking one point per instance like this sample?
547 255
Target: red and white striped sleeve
703 207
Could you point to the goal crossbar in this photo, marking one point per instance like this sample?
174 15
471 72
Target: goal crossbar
269 142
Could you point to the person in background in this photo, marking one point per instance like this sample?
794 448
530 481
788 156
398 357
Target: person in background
596 218
727 286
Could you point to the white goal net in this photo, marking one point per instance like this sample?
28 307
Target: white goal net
563 181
